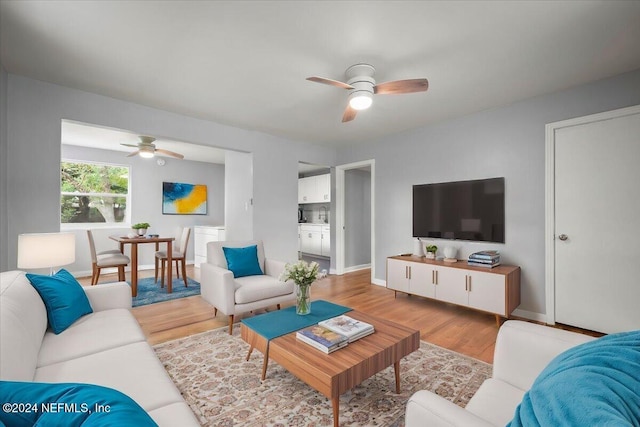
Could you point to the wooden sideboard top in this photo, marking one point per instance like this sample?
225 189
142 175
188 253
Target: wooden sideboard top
462 264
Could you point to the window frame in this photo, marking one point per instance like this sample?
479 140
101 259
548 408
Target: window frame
126 223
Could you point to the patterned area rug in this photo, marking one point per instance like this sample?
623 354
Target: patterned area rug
223 389
150 292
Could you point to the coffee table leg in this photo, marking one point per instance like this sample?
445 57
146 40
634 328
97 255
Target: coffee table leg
335 402
265 363
396 368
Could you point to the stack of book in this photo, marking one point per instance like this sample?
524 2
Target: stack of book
488 259
349 327
335 333
322 338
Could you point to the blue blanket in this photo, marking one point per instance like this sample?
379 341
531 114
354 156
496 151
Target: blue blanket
593 384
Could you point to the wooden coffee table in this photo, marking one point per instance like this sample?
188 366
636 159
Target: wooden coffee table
335 373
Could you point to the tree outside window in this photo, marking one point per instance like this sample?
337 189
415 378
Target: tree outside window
93 192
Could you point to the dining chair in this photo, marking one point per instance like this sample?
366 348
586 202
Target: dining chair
178 253
106 259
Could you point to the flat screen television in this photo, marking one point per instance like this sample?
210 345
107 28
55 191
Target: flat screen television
464 210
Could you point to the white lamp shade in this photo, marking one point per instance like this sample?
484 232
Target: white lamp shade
46 250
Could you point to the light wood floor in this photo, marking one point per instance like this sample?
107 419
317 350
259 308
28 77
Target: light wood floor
456 328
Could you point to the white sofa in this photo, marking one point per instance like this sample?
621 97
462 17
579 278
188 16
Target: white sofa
522 352
106 348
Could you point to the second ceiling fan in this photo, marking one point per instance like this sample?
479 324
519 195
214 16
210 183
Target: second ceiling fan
146 148
362 86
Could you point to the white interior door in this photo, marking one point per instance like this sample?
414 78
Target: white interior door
597 224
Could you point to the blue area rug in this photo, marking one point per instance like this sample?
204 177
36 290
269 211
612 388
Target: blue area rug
150 292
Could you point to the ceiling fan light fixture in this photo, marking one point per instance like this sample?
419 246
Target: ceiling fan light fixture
360 100
147 154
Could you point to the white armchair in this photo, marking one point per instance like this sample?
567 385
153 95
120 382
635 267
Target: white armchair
234 295
522 351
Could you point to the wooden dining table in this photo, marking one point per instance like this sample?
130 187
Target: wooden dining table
134 242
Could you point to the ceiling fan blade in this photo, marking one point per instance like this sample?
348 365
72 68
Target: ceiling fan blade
401 86
349 114
330 82
129 145
169 153
134 153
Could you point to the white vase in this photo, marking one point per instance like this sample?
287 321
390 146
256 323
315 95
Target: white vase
450 252
141 231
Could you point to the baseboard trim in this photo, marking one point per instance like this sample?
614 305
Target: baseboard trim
530 315
379 282
356 268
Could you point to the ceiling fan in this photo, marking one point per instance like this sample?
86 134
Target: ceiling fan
147 149
362 86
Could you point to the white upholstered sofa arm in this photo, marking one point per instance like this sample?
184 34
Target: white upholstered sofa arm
217 286
274 268
524 349
109 296
428 409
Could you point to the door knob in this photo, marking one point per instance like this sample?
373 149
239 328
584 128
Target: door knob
563 237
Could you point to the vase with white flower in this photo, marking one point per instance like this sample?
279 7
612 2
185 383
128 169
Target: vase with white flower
303 275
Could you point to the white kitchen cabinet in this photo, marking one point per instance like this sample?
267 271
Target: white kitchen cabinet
494 291
203 235
325 249
314 189
315 239
311 239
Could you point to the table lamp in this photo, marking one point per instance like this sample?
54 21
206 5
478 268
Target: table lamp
46 250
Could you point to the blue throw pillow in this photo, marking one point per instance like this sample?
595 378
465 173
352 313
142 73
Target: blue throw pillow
64 298
243 261
69 405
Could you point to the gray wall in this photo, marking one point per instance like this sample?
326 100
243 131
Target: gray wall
357 221
146 200
508 142
4 231
34 113
238 194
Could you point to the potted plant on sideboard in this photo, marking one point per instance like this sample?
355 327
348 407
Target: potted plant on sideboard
141 228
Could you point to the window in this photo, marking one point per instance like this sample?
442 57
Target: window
93 193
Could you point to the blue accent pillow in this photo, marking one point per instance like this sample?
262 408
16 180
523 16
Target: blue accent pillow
64 298
69 405
243 261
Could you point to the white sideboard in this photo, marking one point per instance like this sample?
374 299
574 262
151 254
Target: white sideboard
314 239
204 234
495 290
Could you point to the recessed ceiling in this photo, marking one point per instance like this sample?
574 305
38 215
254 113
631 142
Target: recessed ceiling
84 135
244 63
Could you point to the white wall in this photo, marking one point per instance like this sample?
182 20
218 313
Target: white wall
4 231
146 200
34 113
508 142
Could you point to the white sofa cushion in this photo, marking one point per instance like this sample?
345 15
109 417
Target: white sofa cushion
91 334
495 401
23 322
258 288
132 369
175 414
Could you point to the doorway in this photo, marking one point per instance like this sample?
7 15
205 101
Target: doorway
314 215
355 217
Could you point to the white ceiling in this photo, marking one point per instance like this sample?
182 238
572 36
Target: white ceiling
244 63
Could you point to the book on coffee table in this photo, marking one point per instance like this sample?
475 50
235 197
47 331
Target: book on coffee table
322 338
351 328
